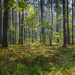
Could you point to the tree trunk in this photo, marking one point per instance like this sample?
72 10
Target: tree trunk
10 29
52 24
64 27
68 37
24 33
6 24
42 29
0 23
39 18
19 27
29 33
49 29
57 26
22 28
72 24
32 34
15 24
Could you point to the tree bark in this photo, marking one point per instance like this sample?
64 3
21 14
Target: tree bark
32 33
6 24
13 38
57 26
42 14
64 27
68 37
15 24
29 33
52 24
0 23
72 24
24 33
19 27
22 28
10 36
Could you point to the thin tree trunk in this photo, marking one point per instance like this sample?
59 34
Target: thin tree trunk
24 33
57 26
15 24
52 24
68 37
42 14
48 29
29 33
64 27
19 27
22 28
32 34
39 18
72 24
0 23
10 29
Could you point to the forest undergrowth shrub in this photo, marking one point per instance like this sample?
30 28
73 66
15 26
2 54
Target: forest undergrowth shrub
37 58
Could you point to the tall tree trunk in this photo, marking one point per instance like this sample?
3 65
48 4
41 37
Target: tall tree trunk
42 14
19 27
22 28
39 18
10 29
32 33
68 37
64 27
52 24
57 26
15 24
13 38
29 33
0 23
24 32
6 24
49 29
72 24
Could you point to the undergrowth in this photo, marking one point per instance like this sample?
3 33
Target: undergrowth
37 59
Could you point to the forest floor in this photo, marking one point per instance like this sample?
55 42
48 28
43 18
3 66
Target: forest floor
37 59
